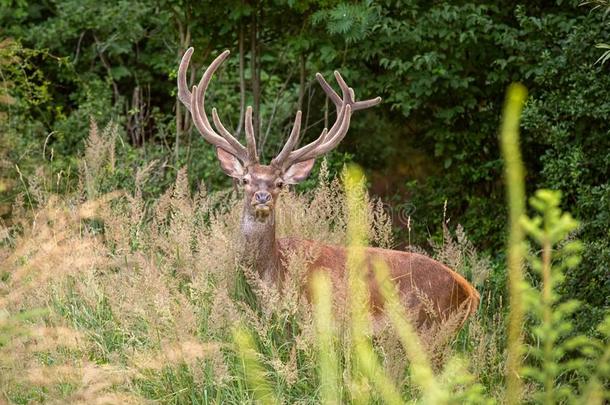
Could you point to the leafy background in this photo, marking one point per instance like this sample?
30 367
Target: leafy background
441 67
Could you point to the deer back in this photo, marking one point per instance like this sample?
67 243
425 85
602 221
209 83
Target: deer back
429 290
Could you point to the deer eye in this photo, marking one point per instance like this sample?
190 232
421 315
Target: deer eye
279 184
244 181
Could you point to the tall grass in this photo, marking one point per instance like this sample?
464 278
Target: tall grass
118 298
515 192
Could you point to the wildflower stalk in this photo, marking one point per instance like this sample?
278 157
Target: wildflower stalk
515 191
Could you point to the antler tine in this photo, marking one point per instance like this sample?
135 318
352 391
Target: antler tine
291 142
304 152
356 105
195 102
250 139
348 96
203 86
329 139
206 132
226 134
364 104
184 94
328 90
296 156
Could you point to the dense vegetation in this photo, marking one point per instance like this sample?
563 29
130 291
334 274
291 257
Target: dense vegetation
430 150
105 301
441 68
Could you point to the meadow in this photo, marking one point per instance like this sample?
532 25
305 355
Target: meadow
107 297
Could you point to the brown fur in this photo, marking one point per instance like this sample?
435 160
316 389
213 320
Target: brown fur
415 275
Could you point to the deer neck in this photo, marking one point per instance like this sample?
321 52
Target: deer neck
260 249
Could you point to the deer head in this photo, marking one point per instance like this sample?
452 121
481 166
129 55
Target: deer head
262 183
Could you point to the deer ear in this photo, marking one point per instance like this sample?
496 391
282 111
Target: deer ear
298 172
230 164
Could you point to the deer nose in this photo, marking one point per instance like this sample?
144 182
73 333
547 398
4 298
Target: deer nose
262 197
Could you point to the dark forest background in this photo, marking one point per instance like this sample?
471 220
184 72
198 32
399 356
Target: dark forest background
441 67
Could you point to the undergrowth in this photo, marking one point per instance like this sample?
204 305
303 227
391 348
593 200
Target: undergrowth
114 298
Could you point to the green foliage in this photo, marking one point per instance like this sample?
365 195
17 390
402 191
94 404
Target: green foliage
555 351
550 358
12 326
149 304
353 22
439 66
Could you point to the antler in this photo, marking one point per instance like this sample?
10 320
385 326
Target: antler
327 140
194 101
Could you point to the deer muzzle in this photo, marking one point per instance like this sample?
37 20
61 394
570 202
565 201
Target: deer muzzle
263 204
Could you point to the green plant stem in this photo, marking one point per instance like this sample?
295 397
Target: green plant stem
515 191
420 368
25 187
326 338
365 359
253 370
547 319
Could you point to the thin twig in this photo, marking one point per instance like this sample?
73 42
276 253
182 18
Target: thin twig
242 80
280 93
44 147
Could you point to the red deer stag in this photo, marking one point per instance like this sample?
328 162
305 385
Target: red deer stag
415 275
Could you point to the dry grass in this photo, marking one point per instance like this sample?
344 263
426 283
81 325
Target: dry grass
141 297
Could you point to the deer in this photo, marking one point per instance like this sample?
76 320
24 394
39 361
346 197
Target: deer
413 274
